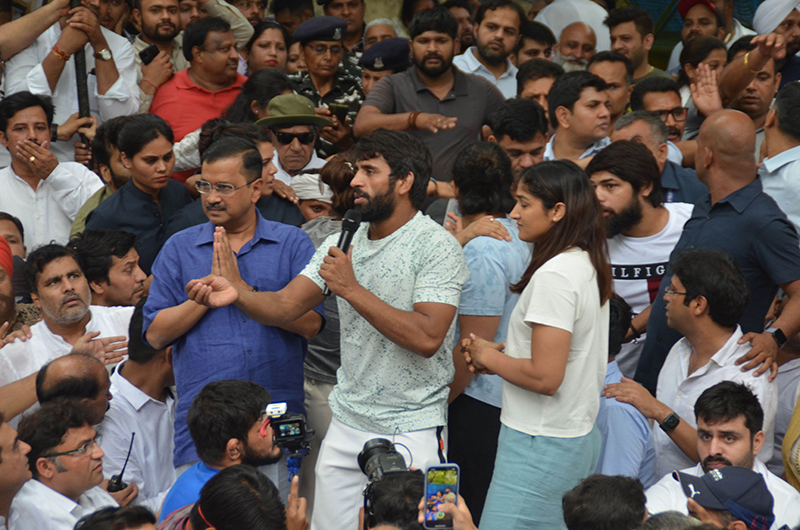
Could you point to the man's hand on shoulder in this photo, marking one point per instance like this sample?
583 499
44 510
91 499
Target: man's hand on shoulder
212 291
764 353
629 391
21 334
107 350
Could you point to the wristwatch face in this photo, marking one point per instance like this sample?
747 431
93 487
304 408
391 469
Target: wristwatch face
105 54
670 422
780 338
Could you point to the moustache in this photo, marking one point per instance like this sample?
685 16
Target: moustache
433 56
216 207
714 458
70 298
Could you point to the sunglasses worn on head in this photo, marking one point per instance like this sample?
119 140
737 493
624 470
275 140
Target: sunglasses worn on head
304 138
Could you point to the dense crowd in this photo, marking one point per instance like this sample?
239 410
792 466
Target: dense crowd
266 269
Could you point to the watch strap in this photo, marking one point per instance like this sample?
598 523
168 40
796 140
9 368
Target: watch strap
778 335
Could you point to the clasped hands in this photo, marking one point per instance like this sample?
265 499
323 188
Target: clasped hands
221 287
478 353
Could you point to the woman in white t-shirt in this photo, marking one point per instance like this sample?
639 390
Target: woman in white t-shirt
555 358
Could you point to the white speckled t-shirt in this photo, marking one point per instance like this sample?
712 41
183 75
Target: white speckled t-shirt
382 387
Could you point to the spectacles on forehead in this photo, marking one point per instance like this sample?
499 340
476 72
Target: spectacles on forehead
86 448
285 138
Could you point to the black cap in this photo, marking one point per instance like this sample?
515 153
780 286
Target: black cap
389 54
738 490
320 28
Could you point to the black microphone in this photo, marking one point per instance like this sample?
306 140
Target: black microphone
116 484
350 223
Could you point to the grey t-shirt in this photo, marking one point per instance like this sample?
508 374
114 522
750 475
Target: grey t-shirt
322 359
472 100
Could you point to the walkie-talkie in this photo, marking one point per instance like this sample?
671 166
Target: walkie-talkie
116 484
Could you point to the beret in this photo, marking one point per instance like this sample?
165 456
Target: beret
320 28
389 54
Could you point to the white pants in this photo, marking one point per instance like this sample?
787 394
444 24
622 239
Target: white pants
318 415
340 482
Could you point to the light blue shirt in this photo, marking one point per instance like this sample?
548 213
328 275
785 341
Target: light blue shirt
468 63
493 266
593 149
780 179
627 446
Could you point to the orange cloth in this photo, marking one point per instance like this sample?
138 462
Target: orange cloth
6 258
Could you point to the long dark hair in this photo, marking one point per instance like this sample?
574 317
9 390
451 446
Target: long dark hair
582 224
695 52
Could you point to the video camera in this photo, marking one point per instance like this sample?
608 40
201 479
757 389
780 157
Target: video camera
291 431
377 459
292 434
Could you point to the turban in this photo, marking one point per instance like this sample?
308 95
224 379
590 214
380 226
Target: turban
6 259
307 186
771 13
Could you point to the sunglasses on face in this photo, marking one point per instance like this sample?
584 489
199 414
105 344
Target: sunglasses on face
304 138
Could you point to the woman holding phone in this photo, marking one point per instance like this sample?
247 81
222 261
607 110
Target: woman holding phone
554 362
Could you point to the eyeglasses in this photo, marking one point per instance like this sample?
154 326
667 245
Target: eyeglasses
671 292
223 188
304 138
678 114
320 49
83 450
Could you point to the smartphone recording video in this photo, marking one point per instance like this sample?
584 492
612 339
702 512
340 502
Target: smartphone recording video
441 487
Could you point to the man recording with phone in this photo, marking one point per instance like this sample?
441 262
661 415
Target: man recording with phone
398 288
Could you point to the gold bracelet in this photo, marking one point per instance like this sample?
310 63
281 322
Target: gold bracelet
747 64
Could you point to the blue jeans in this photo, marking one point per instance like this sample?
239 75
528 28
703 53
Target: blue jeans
531 474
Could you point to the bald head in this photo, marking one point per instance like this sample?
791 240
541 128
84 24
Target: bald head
729 134
727 142
576 46
76 376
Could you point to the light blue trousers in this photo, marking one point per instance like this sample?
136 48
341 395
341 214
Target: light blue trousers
531 474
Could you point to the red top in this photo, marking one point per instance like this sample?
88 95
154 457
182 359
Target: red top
186 106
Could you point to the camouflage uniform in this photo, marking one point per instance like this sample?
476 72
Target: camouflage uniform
346 91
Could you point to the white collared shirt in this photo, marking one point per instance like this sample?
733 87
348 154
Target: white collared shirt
21 359
780 178
679 391
667 495
48 211
593 149
314 163
40 507
24 71
468 63
150 465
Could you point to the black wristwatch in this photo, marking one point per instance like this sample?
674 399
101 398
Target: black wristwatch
670 422
778 335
